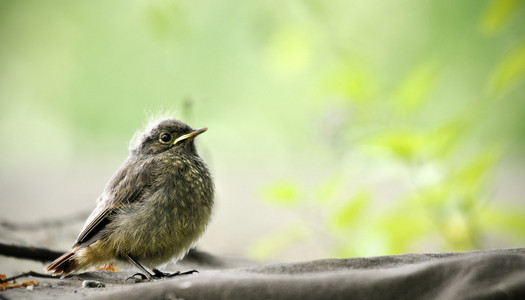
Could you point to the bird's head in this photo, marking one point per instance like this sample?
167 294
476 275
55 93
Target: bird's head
167 135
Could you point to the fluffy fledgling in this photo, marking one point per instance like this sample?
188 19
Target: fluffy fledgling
154 208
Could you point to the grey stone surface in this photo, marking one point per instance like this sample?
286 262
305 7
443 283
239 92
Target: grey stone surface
489 274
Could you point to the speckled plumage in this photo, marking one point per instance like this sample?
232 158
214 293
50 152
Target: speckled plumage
154 208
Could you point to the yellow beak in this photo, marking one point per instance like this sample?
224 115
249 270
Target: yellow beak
190 135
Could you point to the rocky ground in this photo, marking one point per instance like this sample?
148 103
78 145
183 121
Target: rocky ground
490 274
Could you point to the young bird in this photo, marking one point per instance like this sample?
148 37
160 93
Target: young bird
154 208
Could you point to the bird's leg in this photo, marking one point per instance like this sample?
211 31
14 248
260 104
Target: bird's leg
159 274
146 275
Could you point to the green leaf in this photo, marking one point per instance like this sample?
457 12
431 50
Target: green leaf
497 14
405 145
510 71
416 87
352 80
283 193
403 226
352 210
445 139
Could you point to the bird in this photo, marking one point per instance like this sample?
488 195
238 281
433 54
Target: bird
153 209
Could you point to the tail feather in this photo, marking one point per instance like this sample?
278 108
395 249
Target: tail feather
64 265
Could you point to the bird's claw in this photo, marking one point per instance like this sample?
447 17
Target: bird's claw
135 279
159 274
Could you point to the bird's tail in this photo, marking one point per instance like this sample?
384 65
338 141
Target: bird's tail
64 265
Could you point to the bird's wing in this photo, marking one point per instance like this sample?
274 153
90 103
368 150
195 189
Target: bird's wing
92 230
126 186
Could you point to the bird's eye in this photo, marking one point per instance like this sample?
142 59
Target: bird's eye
165 137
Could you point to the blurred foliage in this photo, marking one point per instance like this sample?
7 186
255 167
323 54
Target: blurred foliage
386 121
448 203
510 70
283 193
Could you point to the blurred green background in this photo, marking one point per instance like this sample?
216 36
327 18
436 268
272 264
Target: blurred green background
336 128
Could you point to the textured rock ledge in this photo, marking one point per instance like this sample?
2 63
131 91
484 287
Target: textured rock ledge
489 274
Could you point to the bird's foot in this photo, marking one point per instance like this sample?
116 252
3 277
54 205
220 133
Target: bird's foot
159 274
137 277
